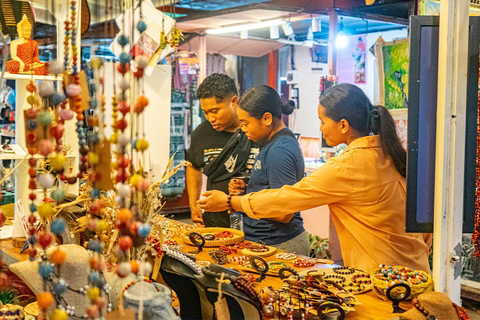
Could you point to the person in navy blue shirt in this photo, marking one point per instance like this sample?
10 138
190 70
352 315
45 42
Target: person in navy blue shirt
280 162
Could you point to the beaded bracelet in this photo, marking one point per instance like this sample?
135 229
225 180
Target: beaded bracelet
135 281
303 263
286 256
355 280
341 279
229 203
344 270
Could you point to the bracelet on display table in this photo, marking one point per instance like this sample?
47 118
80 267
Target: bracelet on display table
260 265
197 240
286 272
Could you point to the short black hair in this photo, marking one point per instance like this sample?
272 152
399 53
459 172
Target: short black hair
217 85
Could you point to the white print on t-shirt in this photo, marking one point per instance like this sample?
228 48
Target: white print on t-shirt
258 165
230 164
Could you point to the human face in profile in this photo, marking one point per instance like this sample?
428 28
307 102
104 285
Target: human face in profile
221 113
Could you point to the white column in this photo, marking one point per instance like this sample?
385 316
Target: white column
332 36
202 56
449 173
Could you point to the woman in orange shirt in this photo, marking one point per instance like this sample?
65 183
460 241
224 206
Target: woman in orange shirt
364 187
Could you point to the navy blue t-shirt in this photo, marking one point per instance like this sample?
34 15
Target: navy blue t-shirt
279 163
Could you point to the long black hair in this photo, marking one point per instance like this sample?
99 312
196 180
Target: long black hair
346 101
259 100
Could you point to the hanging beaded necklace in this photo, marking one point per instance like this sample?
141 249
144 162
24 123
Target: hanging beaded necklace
476 232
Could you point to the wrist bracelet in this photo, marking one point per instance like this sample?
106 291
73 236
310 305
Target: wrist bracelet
229 203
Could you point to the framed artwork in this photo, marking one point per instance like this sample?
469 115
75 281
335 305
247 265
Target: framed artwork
400 116
393 65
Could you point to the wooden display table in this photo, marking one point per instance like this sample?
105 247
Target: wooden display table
372 307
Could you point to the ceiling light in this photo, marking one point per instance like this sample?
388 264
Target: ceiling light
274 33
247 26
244 34
342 40
287 29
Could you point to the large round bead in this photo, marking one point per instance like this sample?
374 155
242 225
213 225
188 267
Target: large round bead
45 269
46 180
44 300
46 89
45 210
73 90
58 226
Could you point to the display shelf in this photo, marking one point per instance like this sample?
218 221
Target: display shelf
11 76
19 153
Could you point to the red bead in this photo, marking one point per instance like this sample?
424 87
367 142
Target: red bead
32 219
138 74
123 68
31 137
122 124
32 172
32 230
31 87
32 196
45 239
32 252
32 184
123 162
125 243
32 162
123 107
31 113
134 227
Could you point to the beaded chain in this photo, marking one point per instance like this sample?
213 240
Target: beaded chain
476 232
344 270
425 312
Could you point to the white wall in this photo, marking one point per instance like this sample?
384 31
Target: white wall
156 116
305 119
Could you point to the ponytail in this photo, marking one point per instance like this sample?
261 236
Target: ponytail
346 101
382 123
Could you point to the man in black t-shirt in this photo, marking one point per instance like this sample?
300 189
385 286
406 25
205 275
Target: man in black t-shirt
218 100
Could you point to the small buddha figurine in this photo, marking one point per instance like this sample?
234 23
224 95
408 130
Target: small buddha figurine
24 52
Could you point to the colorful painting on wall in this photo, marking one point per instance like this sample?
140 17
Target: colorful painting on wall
395 69
351 61
359 57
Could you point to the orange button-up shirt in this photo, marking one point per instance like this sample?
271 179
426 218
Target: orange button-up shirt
366 196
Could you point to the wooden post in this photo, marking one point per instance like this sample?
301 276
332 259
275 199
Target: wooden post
449 172
332 36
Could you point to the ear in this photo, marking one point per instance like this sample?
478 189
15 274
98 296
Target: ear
234 101
267 119
344 126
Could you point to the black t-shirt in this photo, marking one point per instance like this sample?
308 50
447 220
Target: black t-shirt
206 144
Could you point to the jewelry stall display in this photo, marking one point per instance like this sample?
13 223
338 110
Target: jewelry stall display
387 276
352 280
218 236
311 294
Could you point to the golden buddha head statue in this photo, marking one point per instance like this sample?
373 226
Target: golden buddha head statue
24 28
